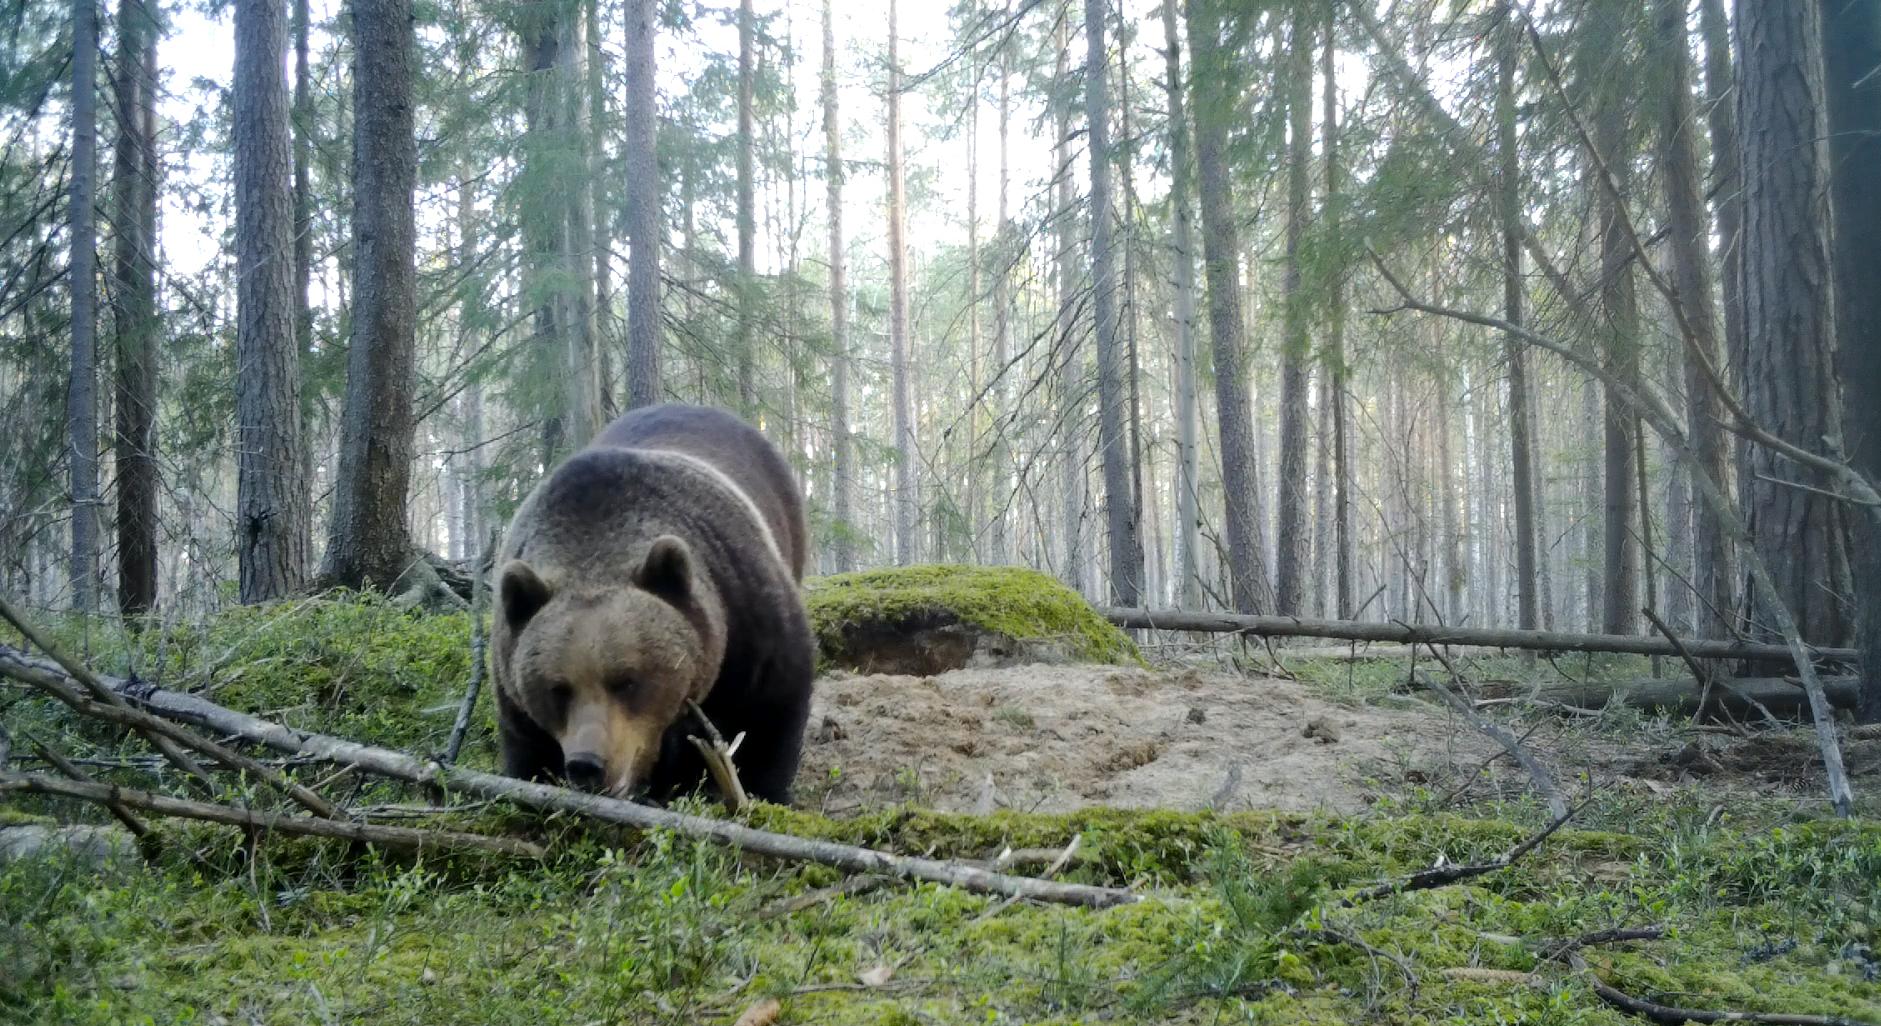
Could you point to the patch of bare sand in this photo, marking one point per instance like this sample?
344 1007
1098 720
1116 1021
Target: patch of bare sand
1052 738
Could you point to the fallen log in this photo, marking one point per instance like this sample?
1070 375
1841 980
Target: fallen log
431 773
1430 634
1680 695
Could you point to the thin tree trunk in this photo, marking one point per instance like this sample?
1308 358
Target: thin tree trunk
1619 303
600 206
1715 569
1126 548
747 230
643 210
1251 589
904 497
367 541
1187 482
1292 535
1521 444
82 387
304 120
544 224
134 206
271 515
585 373
834 173
1339 375
1727 177
1852 51
975 381
1789 310
1070 368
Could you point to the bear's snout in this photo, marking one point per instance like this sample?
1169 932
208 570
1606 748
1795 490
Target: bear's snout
586 770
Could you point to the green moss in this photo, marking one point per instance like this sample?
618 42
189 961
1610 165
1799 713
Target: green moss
1020 604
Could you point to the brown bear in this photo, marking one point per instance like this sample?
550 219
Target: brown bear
661 563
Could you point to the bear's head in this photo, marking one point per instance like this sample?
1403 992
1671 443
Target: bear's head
607 668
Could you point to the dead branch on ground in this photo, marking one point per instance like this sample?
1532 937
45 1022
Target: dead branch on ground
1444 876
718 759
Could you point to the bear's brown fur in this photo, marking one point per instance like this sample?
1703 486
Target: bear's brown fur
661 563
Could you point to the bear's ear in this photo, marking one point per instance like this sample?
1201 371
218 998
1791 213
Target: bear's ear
521 594
667 570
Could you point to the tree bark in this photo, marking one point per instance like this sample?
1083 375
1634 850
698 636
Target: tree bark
1126 548
643 210
1714 559
1345 544
81 397
747 230
368 543
1852 52
905 500
1292 535
1521 445
1188 513
843 485
585 376
1007 489
1071 469
1727 176
137 331
1789 309
1221 247
272 518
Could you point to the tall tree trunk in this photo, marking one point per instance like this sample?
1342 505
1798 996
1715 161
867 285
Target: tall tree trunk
905 499
975 380
1789 311
81 397
1345 545
601 204
134 209
1188 513
1006 488
1714 557
1521 444
1620 306
1070 368
303 129
1592 545
747 229
1727 175
1292 535
368 545
585 376
1221 248
271 513
843 479
643 210
1126 549
1852 52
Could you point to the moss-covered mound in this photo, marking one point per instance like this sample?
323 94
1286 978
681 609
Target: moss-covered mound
926 619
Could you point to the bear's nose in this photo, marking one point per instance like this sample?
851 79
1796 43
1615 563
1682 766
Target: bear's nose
585 770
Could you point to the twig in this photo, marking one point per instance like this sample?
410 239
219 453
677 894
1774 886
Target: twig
850 887
718 760
479 589
1674 1016
52 681
1058 864
1544 781
1616 935
164 805
1706 677
119 810
1443 876
77 671
397 765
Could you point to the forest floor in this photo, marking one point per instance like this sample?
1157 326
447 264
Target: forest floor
1251 808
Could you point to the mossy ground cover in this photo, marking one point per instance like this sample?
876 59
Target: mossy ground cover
1765 909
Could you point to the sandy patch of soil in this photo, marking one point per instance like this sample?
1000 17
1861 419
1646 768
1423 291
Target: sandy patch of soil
1048 738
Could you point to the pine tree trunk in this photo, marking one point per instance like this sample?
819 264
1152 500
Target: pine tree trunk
271 513
368 545
1852 50
747 229
1620 307
1344 544
643 210
905 500
138 334
1221 247
975 380
1789 311
842 482
1727 188
1072 481
1292 534
1521 444
82 388
1006 489
1714 557
1126 549
1188 513
584 370
600 208
303 129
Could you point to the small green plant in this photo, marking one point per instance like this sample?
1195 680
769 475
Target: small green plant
1015 717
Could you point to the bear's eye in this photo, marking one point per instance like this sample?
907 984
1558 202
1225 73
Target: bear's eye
561 694
622 685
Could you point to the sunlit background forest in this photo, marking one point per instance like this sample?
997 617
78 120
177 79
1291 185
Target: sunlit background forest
1459 312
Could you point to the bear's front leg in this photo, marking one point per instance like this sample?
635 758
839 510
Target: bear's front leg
528 752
